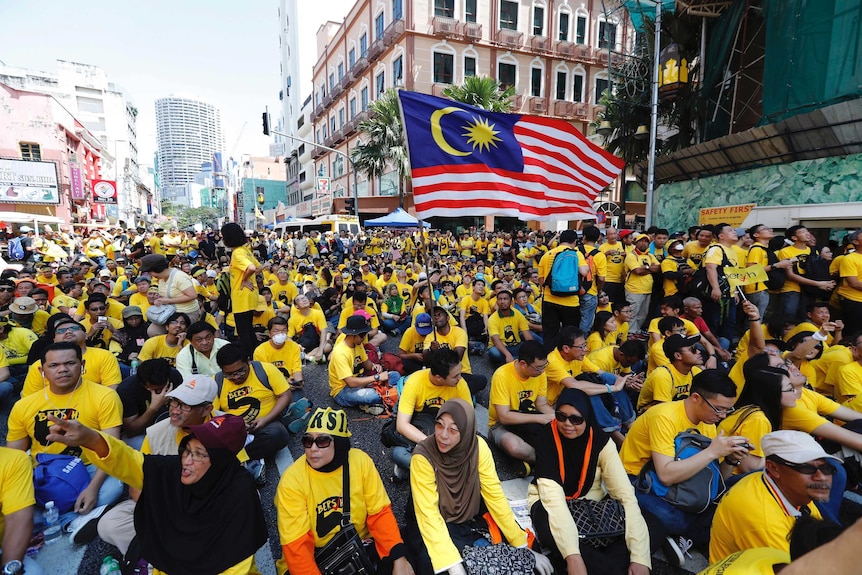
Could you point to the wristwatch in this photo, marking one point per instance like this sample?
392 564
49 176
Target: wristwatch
14 567
376 377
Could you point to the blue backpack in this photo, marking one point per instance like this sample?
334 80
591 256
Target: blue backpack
16 249
563 278
698 492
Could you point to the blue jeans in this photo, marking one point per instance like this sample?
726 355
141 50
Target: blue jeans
624 410
356 396
401 456
496 356
109 493
664 519
6 389
589 303
390 325
788 305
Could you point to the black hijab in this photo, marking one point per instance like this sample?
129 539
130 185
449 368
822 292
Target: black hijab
580 455
203 528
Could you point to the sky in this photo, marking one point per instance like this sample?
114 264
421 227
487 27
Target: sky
222 51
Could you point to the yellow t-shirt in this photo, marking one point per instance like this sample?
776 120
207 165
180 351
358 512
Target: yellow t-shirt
851 266
615 253
105 338
748 422
751 515
758 561
605 361
95 406
242 298
288 359
456 337
559 369
158 347
472 306
848 388
16 477
297 322
690 328
411 341
655 432
827 368
799 267
17 345
508 328
509 388
100 367
544 269
420 395
694 252
344 361
665 384
808 413
639 284
758 254
251 399
595 341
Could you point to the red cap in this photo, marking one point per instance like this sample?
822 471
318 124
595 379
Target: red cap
624 233
222 432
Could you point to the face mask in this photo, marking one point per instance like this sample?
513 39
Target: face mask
279 338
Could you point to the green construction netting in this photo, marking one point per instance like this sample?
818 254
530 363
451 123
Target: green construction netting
640 9
813 55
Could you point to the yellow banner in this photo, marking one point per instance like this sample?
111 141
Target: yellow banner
732 215
745 276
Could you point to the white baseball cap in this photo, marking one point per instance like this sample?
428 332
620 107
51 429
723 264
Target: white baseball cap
196 390
793 446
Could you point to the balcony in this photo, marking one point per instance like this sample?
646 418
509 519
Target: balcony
540 44
538 105
375 49
337 137
565 49
360 66
563 108
510 38
337 90
318 110
361 117
327 100
393 32
445 26
517 102
472 31
317 152
437 89
584 53
346 80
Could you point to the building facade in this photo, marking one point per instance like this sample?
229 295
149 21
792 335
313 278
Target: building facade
188 132
554 52
108 113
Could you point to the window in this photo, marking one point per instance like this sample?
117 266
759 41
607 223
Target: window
444 68
536 82
319 137
562 80
331 82
470 10
538 21
581 32
341 118
332 125
398 71
506 75
602 84
340 71
32 152
363 95
469 66
363 45
444 8
607 35
352 108
397 9
378 27
351 58
325 132
508 15
564 27
381 84
578 88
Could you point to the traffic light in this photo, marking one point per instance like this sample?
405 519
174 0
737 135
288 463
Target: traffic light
350 206
260 198
266 123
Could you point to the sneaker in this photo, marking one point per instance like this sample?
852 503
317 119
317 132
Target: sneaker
83 529
299 412
257 468
398 473
373 409
673 554
525 470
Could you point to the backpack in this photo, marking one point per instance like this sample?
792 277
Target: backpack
259 372
587 282
816 268
223 286
59 478
698 492
699 285
563 278
777 276
16 249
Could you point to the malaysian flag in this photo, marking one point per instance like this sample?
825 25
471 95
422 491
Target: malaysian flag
465 161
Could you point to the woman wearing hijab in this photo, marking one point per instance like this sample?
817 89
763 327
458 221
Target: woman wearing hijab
585 465
199 512
309 499
454 483
394 311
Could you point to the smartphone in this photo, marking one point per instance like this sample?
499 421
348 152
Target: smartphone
102 319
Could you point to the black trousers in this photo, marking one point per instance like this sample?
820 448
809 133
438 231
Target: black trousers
554 318
245 332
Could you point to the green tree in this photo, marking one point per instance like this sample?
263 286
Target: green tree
385 146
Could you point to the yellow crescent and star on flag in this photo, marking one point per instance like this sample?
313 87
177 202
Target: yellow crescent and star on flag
479 132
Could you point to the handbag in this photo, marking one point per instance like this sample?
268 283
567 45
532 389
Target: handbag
499 559
159 314
345 553
59 478
599 522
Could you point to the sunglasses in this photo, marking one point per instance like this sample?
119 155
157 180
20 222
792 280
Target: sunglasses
807 468
62 330
7 289
322 441
573 419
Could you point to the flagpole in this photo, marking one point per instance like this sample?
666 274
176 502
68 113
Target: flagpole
423 250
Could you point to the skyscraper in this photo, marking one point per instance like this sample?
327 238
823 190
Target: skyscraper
188 131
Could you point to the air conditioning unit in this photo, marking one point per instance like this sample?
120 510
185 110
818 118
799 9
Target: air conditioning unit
538 105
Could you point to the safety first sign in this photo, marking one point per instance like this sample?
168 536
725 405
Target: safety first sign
731 215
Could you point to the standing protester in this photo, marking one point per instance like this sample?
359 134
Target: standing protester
559 311
243 267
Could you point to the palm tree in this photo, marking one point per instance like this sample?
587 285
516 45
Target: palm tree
384 145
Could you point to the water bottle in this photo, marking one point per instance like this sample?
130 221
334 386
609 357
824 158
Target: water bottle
110 566
303 358
52 523
135 364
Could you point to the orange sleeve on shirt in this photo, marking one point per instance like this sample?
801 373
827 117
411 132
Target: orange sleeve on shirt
384 530
299 555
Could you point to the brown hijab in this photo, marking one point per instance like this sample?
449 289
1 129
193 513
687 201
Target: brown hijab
457 471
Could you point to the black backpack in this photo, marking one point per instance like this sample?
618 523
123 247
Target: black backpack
777 276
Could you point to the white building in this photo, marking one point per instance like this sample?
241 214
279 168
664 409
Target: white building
109 114
289 93
188 132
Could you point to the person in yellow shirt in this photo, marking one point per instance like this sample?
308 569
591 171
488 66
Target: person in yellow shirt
761 510
675 270
348 362
598 264
283 353
559 310
615 252
473 311
18 501
695 248
157 242
167 346
307 326
672 381
67 296
850 271
100 327
507 329
640 265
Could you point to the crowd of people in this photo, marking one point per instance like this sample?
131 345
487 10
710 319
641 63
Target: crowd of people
653 404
